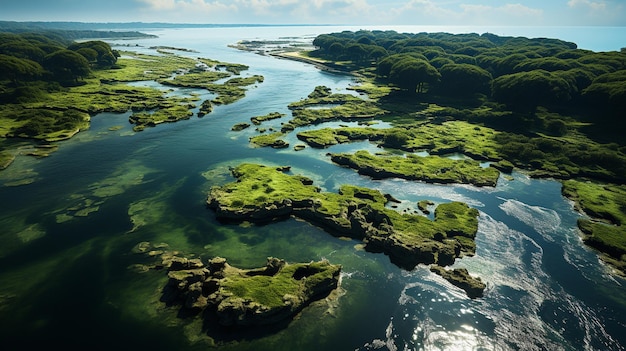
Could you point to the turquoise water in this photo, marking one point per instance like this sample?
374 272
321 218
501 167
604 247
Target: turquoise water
68 282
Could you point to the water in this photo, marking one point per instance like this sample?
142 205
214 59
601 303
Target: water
66 283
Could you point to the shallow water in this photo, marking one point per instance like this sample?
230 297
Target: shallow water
67 238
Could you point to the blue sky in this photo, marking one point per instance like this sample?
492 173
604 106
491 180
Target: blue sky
361 12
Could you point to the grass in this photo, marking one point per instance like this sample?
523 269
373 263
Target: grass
257 120
271 191
605 231
62 112
273 139
431 169
271 291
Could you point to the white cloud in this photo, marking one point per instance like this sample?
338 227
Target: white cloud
594 5
432 12
188 5
504 13
392 12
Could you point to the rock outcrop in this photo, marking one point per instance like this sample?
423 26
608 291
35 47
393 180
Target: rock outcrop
355 212
239 297
460 277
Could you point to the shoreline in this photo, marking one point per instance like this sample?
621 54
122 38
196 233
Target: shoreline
321 65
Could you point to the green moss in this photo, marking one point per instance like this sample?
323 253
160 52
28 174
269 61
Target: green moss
431 169
240 126
264 193
270 291
227 94
168 114
448 137
260 119
62 112
605 201
340 106
202 79
6 159
606 204
272 140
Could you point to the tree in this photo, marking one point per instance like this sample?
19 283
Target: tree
67 65
608 92
336 50
22 49
464 79
356 52
16 69
106 57
412 74
527 90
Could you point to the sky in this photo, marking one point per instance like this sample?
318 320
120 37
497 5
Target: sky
349 12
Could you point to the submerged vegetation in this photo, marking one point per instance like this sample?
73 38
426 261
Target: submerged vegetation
50 87
264 194
477 105
540 105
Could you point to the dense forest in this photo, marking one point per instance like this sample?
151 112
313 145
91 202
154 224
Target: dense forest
545 92
554 110
32 65
518 72
73 30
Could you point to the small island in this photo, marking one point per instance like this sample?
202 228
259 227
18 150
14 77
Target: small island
412 167
264 194
234 297
248 297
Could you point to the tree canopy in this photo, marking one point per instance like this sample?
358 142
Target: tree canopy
29 57
521 72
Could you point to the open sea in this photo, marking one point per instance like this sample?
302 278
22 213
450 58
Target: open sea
68 283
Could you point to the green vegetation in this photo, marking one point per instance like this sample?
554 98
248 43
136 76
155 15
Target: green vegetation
257 120
5 159
272 140
263 194
323 106
236 297
270 290
541 105
49 87
605 231
240 126
520 72
430 169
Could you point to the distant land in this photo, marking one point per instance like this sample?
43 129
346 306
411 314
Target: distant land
14 25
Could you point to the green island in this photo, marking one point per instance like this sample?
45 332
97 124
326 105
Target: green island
257 120
50 86
540 105
412 167
332 107
264 194
604 231
231 297
273 140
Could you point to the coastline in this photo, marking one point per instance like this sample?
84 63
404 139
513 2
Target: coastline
320 64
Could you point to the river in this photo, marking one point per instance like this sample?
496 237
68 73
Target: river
65 282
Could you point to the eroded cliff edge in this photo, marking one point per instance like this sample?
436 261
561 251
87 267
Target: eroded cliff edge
265 194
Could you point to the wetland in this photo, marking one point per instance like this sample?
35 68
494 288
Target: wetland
447 183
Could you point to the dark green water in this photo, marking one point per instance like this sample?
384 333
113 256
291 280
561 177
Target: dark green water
65 281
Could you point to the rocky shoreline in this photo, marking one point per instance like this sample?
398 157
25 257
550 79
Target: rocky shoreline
234 297
357 213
